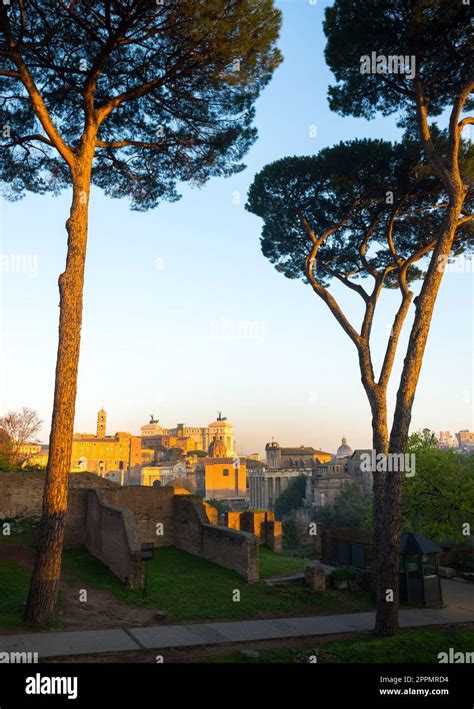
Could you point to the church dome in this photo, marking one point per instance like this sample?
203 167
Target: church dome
344 450
217 448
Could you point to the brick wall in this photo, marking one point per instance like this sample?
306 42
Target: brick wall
151 506
260 523
111 536
112 522
188 519
75 531
229 548
232 519
212 513
233 550
21 494
252 520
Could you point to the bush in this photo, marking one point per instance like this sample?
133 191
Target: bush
291 498
351 508
290 533
343 573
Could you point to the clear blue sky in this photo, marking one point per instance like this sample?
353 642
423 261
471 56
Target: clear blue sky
164 290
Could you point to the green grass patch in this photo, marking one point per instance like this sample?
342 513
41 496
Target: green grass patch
191 588
306 551
272 564
410 646
188 587
14 585
22 531
82 568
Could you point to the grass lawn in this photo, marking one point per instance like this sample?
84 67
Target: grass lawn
26 537
409 646
272 564
306 551
190 588
14 584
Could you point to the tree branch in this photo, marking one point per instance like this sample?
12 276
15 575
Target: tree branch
320 289
27 139
10 73
363 248
469 120
394 338
434 159
140 144
455 128
36 98
345 280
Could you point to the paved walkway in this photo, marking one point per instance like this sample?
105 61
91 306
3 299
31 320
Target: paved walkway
460 609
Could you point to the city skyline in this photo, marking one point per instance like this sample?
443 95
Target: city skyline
240 449
221 329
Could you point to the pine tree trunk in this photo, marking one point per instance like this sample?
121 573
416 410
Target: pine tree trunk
43 592
380 445
387 620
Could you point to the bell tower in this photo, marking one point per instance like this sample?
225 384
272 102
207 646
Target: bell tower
101 423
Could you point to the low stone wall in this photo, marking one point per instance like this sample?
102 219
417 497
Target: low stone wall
233 550
251 521
227 547
212 513
232 519
21 493
111 536
112 522
75 531
188 519
260 523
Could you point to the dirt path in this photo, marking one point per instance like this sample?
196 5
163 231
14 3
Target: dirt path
102 610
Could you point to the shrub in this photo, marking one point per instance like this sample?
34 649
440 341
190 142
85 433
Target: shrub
290 533
343 573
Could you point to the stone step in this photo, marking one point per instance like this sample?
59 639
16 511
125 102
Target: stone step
295 579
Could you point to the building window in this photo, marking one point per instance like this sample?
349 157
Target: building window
225 473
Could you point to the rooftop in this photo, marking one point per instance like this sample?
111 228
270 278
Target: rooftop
303 450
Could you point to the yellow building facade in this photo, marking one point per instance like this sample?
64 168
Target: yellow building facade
104 454
34 454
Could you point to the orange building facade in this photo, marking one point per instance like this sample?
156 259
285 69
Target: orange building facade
222 479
